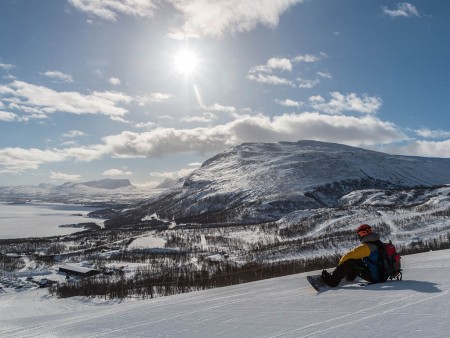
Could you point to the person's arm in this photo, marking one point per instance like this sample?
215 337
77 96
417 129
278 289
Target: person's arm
357 253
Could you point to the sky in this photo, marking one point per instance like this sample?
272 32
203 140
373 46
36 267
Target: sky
150 89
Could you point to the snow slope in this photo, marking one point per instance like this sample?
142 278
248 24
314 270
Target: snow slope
280 307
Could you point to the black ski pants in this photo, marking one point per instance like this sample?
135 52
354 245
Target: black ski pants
351 269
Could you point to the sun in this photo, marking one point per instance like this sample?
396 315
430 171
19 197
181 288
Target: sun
186 62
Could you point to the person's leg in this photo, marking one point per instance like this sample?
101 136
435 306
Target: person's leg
350 269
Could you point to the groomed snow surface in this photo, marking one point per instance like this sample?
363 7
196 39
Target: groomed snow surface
418 306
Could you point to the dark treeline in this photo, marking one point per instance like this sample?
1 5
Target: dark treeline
146 285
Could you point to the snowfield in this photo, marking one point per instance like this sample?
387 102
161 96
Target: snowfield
418 306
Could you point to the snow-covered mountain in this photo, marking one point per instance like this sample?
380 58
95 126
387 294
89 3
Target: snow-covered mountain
102 191
256 182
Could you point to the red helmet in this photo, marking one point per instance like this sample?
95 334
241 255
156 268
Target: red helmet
363 230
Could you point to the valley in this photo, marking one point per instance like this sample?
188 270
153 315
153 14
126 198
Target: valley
253 212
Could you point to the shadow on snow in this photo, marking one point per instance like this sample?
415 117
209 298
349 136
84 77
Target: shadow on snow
419 286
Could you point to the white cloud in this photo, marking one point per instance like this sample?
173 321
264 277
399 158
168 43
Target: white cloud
422 148
281 64
31 113
5 90
58 176
153 97
289 103
199 17
147 125
83 154
303 83
117 172
7 117
269 73
73 134
366 130
165 141
324 75
220 108
309 58
204 118
172 174
340 103
288 127
114 97
109 9
269 79
19 159
337 128
433 133
273 64
6 66
404 9
165 117
59 76
41 100
216 18
114 81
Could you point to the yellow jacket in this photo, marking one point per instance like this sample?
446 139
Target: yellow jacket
359 252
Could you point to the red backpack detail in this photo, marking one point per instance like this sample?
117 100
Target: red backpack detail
389 261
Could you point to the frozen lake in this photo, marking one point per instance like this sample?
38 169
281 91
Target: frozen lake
41 219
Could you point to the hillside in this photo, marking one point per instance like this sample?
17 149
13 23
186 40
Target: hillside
278 307
260 182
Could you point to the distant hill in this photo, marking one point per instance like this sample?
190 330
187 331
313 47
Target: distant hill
107 183
105 190
256 182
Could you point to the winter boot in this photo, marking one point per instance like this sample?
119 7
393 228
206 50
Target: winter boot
328 279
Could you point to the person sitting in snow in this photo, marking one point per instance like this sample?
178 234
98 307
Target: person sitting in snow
361 261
